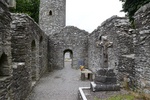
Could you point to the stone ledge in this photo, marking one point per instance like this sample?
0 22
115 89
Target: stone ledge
81 94
87 94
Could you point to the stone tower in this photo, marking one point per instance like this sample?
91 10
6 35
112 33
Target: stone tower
52 16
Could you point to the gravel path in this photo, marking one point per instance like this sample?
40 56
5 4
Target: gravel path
59 85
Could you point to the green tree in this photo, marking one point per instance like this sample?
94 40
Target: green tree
131 6
30 7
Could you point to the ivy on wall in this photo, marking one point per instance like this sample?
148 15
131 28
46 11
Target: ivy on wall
131 6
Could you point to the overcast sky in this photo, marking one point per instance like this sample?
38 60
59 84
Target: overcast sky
89 14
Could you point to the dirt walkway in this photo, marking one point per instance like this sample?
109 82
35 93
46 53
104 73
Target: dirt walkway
59 85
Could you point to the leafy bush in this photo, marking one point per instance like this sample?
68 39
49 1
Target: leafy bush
131 6
30 7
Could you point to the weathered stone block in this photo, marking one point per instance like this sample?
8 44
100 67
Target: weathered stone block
104 87
5 72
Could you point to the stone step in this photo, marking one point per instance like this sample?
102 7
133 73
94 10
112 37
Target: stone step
104 87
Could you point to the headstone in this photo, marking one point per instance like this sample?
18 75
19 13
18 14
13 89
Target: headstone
105 78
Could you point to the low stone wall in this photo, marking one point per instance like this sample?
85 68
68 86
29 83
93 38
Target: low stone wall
142 48
70 39
21 83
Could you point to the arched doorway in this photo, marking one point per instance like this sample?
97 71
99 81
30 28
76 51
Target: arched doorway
4 68
68 57
33 60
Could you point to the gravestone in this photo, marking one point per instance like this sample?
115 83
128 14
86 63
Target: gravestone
105 78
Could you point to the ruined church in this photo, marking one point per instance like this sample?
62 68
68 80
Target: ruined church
28 50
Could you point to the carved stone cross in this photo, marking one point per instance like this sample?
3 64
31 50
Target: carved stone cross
105 44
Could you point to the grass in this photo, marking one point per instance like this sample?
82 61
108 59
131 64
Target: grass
122 97
119 97
129 96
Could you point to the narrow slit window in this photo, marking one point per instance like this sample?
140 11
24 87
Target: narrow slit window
50 13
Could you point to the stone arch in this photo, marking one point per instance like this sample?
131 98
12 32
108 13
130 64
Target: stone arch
4 67
69 56
50 13
33 60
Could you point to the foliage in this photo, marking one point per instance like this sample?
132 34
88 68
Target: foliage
131 6
30 7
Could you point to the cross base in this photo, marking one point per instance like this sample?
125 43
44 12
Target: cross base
104 87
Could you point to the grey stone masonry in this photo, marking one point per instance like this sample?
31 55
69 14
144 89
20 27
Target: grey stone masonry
52 15
93 51
27 51
29 54
29 44
70 39
117 31
21 85
142 48
5 52
105 80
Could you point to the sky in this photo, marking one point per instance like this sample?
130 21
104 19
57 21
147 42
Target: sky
89 14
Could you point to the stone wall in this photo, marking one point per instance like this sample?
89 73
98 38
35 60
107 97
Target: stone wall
93 51
29 43
5 52
29 48
70 39
21 85
142 48
52 17
23 54
117 31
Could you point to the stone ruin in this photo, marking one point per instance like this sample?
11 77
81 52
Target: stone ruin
23 54
26 52
117 31
69 39
141 37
